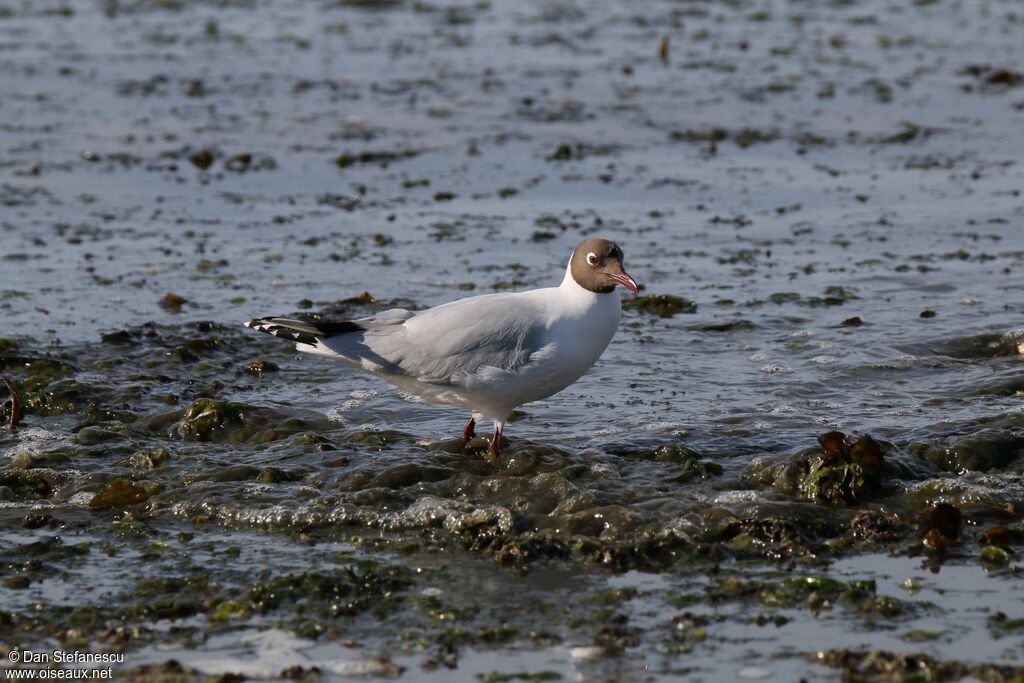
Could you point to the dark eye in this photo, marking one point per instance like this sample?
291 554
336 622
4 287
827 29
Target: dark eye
592 258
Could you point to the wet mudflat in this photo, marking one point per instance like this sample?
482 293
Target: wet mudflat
801 456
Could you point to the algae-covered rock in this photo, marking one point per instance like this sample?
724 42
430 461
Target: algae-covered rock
940 526
231 473
336 593
889 667
944 518
377 438
786 533
276 475
46 389
843 471
708 526
672 454
17 582
986 345
261 367
204 418
1002 536
409 474
149 459
661 305
933 542
375 157
1001 624
878 526
120 493
227 422
994 555
28 484
978 452
95 434
172 302
816 593
842 483
847 470
518 552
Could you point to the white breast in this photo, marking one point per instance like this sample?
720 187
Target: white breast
580 340
580 326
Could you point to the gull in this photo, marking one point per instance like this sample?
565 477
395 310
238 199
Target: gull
487 354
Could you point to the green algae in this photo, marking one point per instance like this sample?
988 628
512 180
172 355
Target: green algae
378 157
1001 625
845 472
843 483
691 463
205 419
211 420
342 593
528 549
994 555
377 438
47 391
661 305
536 677
32 484
307 599
149 459
920 636
886 667
817 594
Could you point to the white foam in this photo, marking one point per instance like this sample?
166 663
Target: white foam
363 394
776 368
730 497
81 499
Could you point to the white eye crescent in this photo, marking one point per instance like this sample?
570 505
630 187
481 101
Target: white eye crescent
592 258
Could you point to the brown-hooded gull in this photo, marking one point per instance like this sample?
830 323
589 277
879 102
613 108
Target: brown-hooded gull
486 354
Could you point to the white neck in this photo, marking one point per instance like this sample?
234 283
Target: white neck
569 280
580 296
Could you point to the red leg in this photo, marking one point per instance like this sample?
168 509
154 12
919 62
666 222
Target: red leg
496 441
470 431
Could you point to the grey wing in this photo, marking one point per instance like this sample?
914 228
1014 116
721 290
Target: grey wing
452 341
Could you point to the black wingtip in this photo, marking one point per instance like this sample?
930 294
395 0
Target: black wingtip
302 331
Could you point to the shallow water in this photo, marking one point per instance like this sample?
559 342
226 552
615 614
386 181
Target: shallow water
787 167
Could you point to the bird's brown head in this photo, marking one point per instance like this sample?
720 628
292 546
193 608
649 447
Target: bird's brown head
597 265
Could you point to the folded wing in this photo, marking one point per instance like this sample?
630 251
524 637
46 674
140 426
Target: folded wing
448 343
443 345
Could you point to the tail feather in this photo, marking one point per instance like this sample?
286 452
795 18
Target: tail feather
303 331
